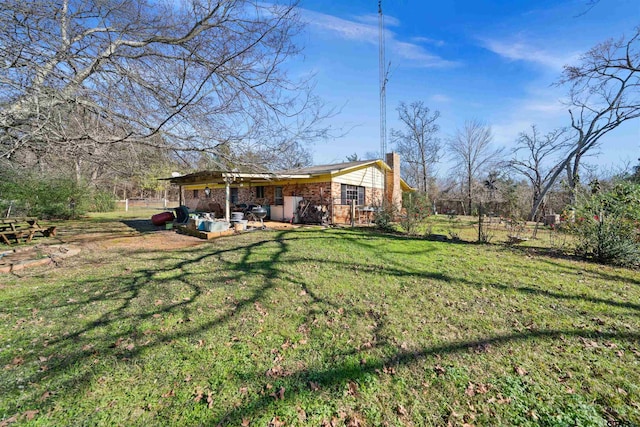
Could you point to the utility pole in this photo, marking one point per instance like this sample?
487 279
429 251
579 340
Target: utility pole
383 83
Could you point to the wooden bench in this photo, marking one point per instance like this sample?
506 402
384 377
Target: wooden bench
22 228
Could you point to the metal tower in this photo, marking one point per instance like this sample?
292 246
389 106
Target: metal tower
383 83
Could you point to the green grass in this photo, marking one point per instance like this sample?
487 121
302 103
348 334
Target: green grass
314 326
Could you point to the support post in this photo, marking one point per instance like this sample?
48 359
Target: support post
480 223
227 201
353 213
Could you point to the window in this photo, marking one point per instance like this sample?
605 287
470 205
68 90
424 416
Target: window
195 194
278 199
352 192
260 192
234 196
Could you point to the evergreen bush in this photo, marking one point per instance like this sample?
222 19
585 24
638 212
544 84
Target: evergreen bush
607 226
43 196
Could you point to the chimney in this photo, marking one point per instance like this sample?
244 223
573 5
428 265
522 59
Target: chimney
392 181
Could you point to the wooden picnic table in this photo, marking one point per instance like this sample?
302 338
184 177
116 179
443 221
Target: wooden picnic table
16 228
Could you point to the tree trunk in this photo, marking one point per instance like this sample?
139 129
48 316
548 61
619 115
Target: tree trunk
78 171
573 177
469 192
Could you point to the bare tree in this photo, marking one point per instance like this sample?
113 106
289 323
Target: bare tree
604 93
471 150
418 143
536 158
192 75
296 157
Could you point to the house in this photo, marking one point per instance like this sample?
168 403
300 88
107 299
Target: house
291 195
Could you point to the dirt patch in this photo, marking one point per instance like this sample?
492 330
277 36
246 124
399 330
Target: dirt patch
124 235
120 236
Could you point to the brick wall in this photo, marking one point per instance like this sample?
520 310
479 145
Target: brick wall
342 213
322 193
316 193
392 181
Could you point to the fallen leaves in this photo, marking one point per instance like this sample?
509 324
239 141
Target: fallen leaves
352 388
354 420
117 343
278 395
10 420
565 377
200 395
389 370
260 309
302 415
276 422
17 361
275 372
29 415
473 389
500 400
589 343
520 370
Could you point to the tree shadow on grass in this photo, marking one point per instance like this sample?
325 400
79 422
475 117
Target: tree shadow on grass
299 382
551 257
142 225
271 260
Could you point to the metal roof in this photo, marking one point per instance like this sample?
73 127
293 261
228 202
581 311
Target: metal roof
329 169
220 177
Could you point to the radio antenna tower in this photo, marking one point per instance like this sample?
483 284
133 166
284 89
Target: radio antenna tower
383 83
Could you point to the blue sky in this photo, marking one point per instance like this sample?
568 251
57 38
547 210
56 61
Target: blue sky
493 61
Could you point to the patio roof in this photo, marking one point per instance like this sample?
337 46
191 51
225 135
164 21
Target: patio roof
221 177
225 177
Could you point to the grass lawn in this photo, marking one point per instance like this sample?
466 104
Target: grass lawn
317 327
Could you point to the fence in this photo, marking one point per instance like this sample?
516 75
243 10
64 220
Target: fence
147 203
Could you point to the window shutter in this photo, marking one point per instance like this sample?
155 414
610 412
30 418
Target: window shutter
343 194
361 195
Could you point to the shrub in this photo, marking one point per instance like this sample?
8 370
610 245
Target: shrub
384 216
606 226
103 201
42 195
416 209
609 241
